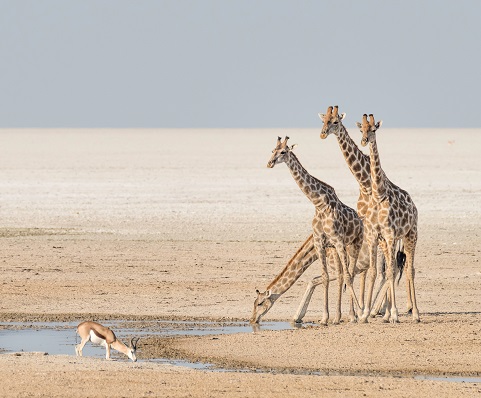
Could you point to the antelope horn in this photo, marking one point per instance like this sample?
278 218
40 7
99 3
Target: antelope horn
364 120
132 343
371 119
336 110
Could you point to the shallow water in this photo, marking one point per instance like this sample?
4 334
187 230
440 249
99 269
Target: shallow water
59 338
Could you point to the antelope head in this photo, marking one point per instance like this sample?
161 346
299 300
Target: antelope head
133 348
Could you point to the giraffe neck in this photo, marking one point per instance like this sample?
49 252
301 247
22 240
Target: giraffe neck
316 191
358 162
378 178
296 266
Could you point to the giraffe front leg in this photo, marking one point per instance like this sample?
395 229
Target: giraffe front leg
362 288
381 280
371 278
306 299
334 258
321 253
341 251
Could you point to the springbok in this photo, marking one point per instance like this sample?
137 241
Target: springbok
103 336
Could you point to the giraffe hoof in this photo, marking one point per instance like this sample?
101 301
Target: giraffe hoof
363 319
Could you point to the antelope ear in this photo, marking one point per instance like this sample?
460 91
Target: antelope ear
322 116
359 125
343 115
293 146
378 124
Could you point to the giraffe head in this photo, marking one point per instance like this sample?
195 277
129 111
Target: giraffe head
262 304
332 121
368 129
280 152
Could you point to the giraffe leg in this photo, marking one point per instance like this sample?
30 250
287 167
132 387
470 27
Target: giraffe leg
371 278
389 248
321 253
343 256
306 299
380 300
79 347
340 284
409 247
362 288
381 272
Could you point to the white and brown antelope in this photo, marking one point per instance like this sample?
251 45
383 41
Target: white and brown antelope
103 336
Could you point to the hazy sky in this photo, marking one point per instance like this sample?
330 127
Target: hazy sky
238 63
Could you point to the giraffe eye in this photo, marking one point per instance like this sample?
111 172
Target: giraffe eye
336 122
283 152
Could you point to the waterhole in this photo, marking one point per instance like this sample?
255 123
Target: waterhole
60 338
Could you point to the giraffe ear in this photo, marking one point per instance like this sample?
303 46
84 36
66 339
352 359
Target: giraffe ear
359 125
343 115
321 116
293 146
268 293
378 124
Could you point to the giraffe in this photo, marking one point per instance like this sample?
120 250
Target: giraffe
296 266
334 225
359 164
391 216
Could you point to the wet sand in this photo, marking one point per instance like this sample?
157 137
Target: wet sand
186 224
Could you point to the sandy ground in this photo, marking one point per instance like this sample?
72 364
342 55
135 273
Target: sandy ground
185 224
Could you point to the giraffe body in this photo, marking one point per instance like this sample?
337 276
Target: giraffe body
335 225
391 216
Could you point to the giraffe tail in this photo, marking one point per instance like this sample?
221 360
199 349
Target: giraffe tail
400 259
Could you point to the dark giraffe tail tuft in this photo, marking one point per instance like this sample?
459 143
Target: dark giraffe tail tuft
401 261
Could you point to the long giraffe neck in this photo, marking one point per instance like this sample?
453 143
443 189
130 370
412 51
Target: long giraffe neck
378 178
358 162
316 191
296 266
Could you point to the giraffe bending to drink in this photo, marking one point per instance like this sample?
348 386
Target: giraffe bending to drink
335 225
